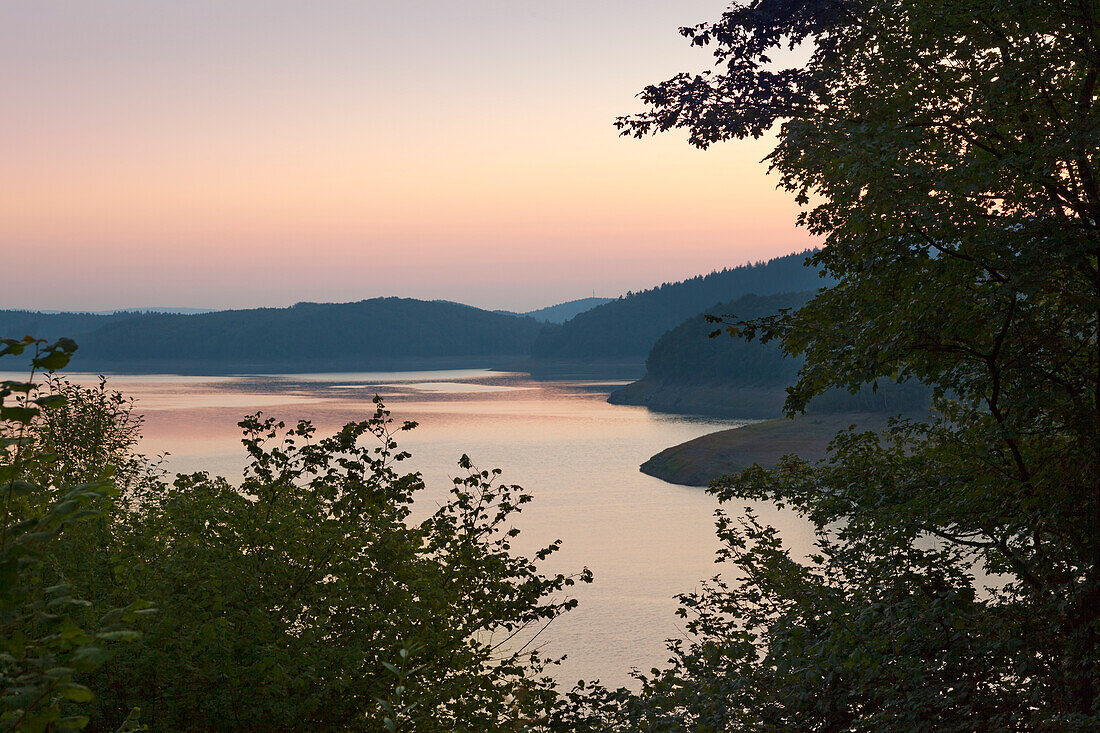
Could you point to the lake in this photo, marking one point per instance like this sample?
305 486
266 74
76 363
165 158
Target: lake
645 540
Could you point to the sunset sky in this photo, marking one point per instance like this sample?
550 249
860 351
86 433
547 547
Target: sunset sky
236 154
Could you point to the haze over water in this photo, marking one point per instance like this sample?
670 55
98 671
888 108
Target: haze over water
645 540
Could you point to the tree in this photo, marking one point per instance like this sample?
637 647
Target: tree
48 637
304 597
947 152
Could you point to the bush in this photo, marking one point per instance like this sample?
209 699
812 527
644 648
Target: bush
49 637
304 598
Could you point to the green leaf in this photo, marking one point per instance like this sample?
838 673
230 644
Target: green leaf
89 656
73 722
14 347
75 692
53 360
50 401
61 588
18 414
64 344
18 488
24 387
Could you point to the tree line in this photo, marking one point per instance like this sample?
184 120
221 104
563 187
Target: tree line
691 355
629 327
376 333
389 332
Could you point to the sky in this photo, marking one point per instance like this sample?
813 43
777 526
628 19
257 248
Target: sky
259 153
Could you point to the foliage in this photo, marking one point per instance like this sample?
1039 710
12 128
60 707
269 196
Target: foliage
949 151
306 598
45 642
89 428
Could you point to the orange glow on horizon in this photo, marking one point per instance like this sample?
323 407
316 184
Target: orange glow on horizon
193 171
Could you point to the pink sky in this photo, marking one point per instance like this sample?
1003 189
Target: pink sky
211 154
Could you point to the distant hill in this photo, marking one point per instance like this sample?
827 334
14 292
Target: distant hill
689 372
601 338
153 309
381 333
562 312
625 329
52 325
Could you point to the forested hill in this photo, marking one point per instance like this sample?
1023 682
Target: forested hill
384 333
686 353
689 372
52 326
562 312
627 328
401 333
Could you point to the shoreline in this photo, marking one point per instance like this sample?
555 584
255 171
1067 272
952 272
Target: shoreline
700 461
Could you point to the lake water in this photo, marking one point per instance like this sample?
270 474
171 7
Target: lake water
645 540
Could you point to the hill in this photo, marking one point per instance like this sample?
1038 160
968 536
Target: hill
688 372
562 312
624 330
153 309
381 333
52 325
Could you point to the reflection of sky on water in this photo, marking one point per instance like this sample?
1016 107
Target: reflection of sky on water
388 377
444 387
644 539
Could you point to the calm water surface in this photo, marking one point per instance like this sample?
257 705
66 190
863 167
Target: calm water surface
645 540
